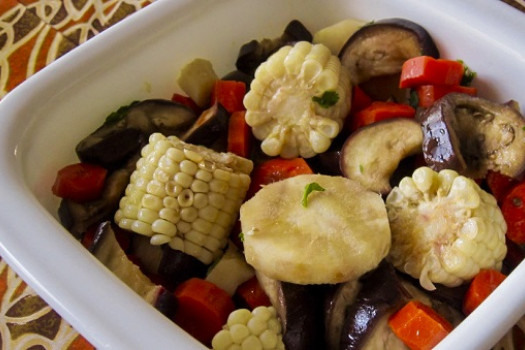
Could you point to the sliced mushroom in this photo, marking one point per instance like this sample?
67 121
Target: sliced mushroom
253 53
127 130
381 47
473 135
372 153
209 127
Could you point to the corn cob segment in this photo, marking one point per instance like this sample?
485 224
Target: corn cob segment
184 195
283 104
245 330
445 228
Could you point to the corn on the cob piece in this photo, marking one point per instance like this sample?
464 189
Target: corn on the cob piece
281 104
445 228
245 330
184 195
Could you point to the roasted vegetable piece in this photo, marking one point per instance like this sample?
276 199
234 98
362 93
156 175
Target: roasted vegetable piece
298 101
424 70
428 94
245 329
197 79
473 135
481 286
419 326
124 133
445 228
209 128
513 208
380 48
341 234
372 154
253 53
202 308
80 182
185 195
381 110
335 35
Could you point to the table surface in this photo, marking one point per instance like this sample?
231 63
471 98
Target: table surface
33 33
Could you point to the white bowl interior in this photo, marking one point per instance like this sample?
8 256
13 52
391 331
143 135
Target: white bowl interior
140 58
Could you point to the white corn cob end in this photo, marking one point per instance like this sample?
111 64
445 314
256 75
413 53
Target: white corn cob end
445 228
280 106
184 195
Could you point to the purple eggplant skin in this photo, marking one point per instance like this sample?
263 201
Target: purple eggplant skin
176 267
381 47
210 128
253 53
381 294
127 130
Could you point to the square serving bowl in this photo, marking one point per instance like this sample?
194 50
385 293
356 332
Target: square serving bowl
139 58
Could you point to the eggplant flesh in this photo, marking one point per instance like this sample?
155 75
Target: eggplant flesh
473 135
125 132
381 48
209 128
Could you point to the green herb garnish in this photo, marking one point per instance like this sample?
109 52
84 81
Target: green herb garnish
119 114
413 99
241 236
327 99
361 168
468 75
308 189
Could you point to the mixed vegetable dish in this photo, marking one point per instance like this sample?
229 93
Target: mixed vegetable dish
344 189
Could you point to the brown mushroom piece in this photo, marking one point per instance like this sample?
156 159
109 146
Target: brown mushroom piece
473 135
372 153
374 55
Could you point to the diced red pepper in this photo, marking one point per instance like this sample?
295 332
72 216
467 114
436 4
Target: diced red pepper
428 94
499 184
251 294
276 169
202 308
187 101
80 182
229 94
381 110
513 210
426 70
239 135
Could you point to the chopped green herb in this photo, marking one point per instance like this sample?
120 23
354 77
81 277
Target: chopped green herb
468 75
119 114
327 99
523 128
241 236
308 189
361 168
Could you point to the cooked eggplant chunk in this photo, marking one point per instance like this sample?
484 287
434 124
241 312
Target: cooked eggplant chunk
176 266
78 217
372 154
300 311
381 47
210 126
381 294
125 132
253 53
107 250
473 135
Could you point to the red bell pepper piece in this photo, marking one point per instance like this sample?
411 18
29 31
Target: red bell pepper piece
239 135
80 182
428 94
499 184
187 101
229 94
381 110
513 210
426 70
276 169
251 294
202 308
480 288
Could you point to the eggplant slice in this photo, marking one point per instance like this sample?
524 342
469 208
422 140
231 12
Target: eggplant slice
127 130
380 48
473 135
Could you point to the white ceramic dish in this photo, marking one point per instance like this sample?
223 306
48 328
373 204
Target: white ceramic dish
139 58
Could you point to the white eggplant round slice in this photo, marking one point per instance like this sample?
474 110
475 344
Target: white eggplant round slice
372 154
338 235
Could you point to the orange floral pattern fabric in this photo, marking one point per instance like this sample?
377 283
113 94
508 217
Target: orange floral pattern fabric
33 33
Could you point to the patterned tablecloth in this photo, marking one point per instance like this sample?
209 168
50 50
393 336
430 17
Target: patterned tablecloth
33 33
